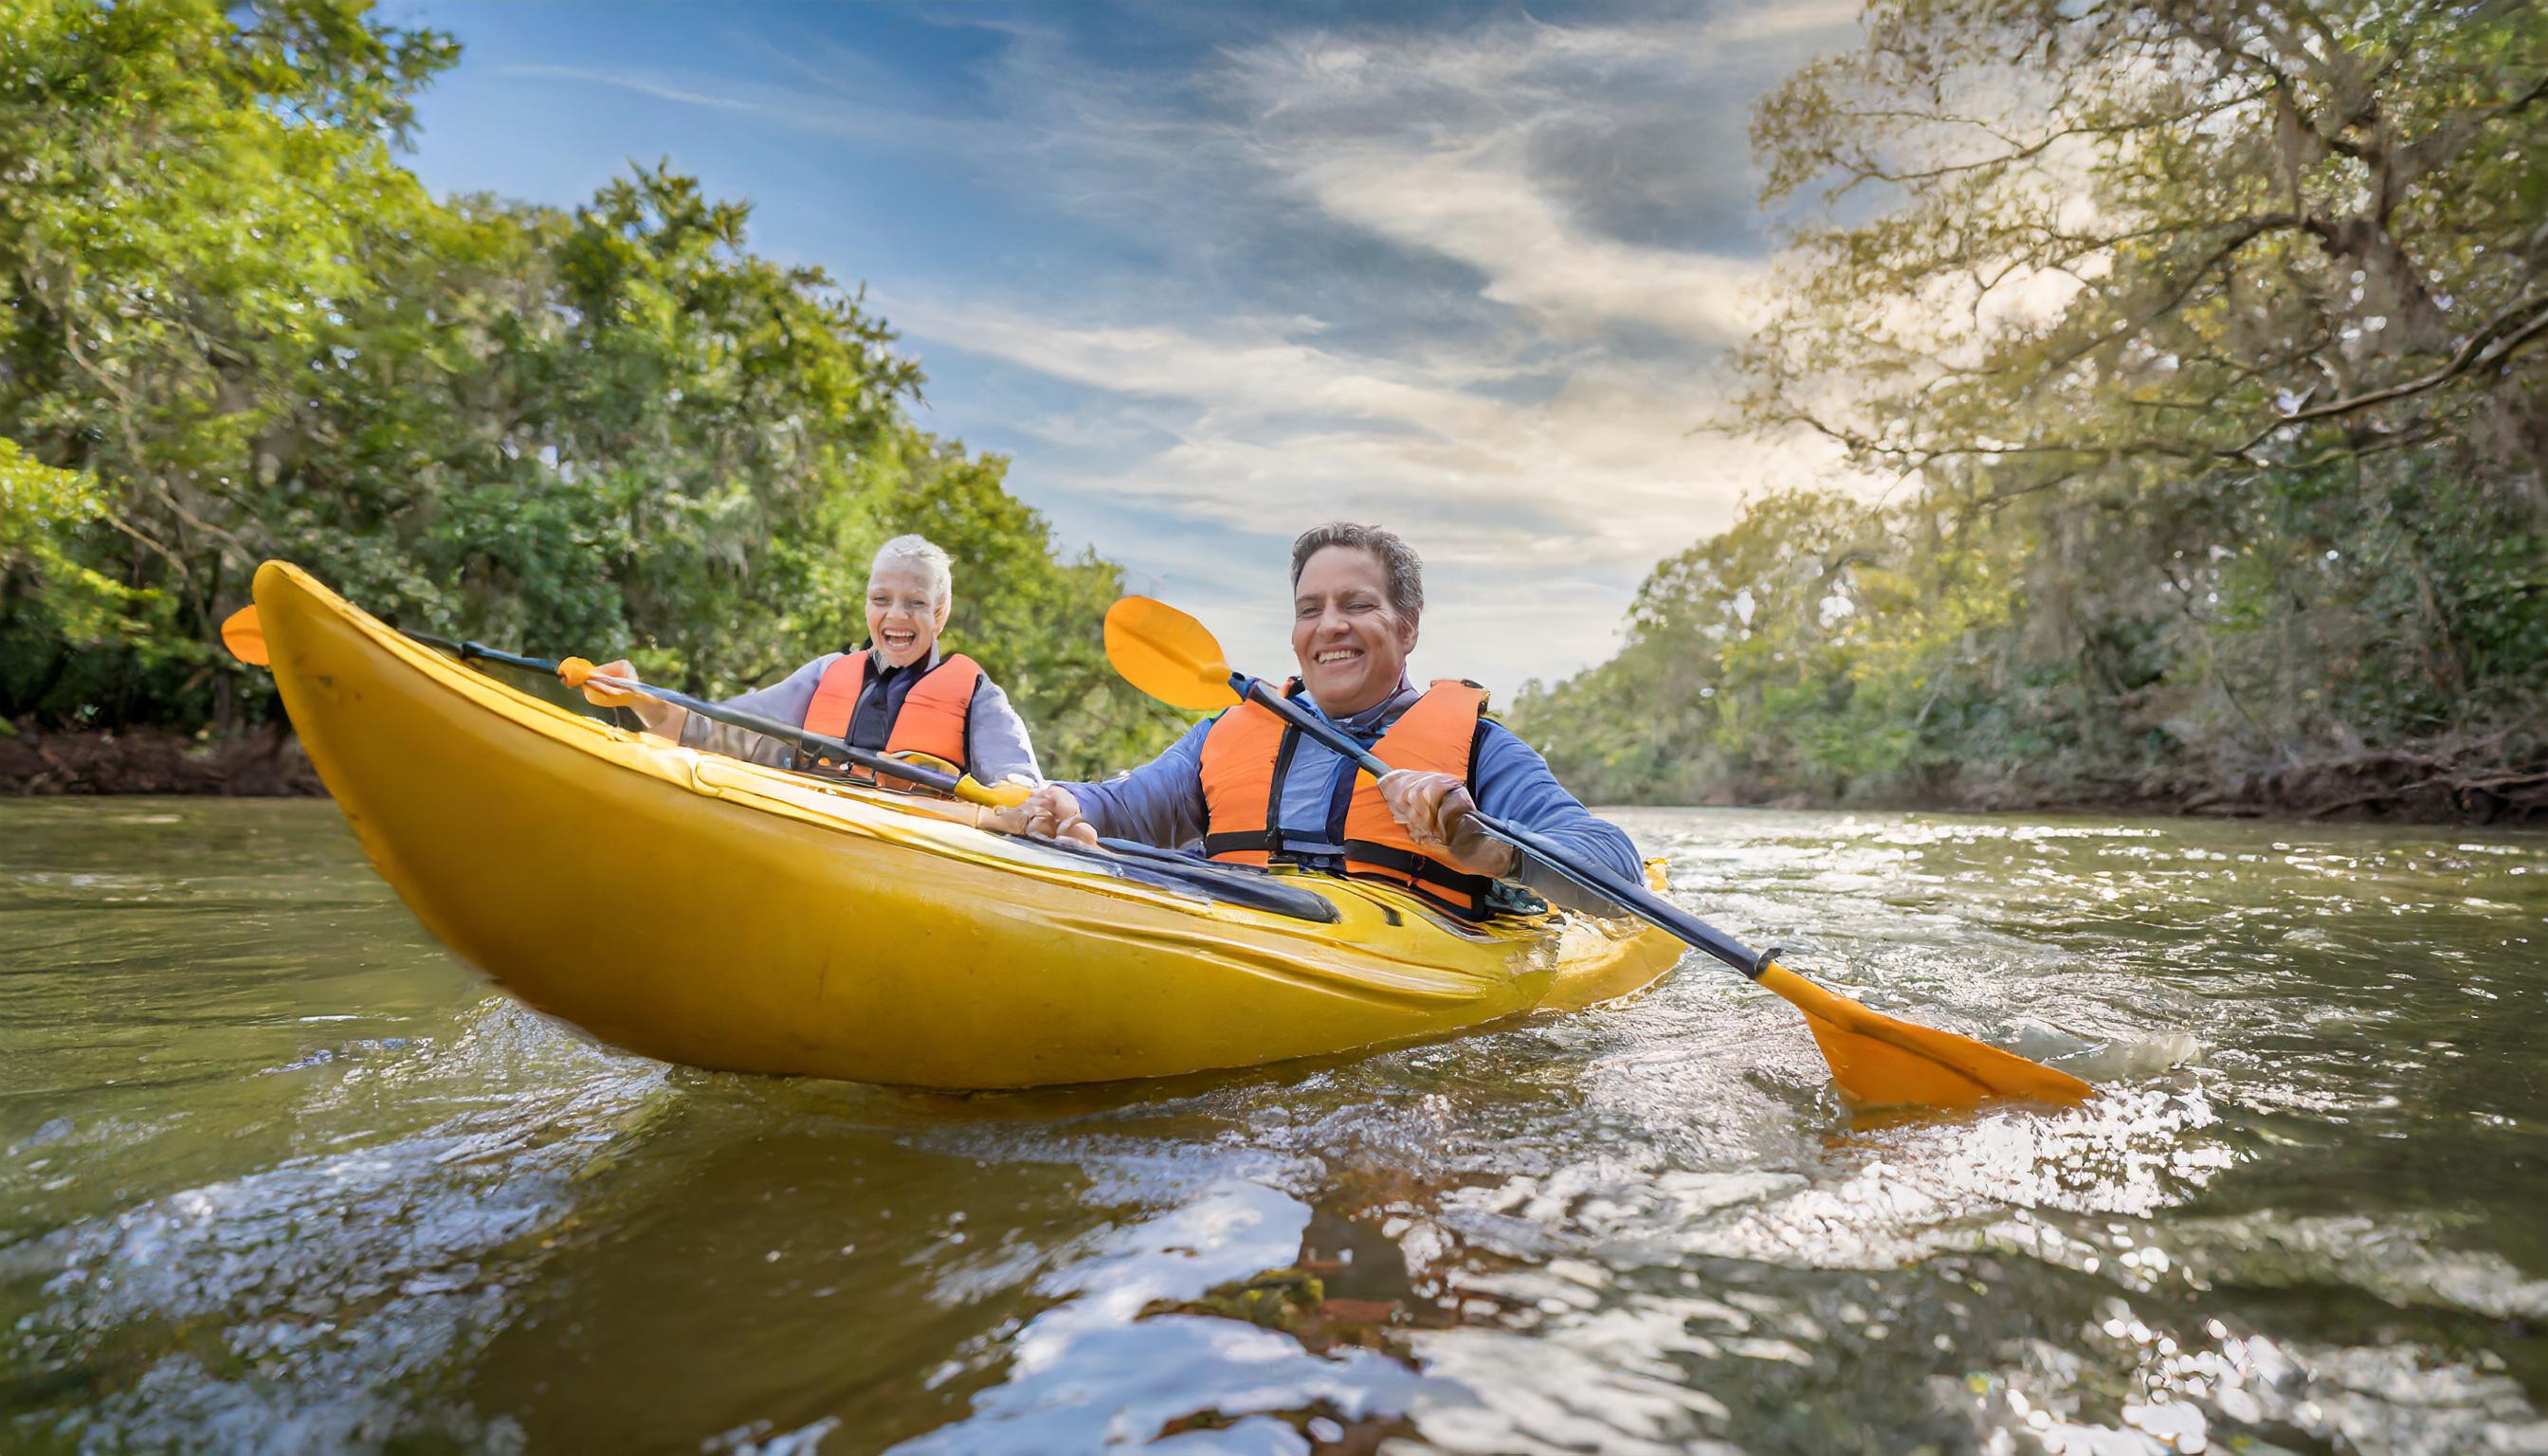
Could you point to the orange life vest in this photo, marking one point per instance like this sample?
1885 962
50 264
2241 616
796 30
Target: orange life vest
930 719
1248 752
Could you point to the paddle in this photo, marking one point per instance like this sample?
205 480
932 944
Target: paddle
1877 1060
244 636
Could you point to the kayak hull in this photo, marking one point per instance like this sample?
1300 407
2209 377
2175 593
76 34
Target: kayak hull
701 910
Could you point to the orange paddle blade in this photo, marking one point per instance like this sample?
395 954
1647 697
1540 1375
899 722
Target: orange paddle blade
576 671
1168 654
1884 1063
244 636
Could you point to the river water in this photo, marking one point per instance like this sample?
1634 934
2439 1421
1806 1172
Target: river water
278 1173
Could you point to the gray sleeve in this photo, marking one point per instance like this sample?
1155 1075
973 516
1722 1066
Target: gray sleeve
995 738
786 701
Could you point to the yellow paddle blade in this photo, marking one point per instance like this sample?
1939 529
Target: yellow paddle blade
1001 795
1167 655
1884 1063
244 636
1004 794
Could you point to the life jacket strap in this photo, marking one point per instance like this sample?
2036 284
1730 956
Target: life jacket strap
835 696
1254 841
1458 891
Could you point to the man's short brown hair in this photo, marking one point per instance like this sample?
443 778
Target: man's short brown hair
1398 560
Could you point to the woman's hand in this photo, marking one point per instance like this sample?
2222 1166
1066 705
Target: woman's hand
659 719
1442 819
1048 813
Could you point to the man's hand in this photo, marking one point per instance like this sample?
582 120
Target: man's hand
1048 813
1441 818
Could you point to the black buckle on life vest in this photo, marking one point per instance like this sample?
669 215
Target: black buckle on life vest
1428 877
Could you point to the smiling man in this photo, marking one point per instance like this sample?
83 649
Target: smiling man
1255 790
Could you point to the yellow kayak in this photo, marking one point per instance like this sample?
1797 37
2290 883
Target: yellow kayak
703 910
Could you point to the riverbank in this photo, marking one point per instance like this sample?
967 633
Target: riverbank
2472 778
2460 783
259 763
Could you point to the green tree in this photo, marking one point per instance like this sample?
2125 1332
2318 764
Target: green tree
239 330
185 198
617 425
41 509
2206 340
2232 286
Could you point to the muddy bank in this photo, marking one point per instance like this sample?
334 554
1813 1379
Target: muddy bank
263 762
2495 778
2464 782
2479 778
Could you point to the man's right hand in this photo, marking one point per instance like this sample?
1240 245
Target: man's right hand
1050 812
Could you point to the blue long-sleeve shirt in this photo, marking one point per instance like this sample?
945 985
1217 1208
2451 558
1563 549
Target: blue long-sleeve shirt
1162 802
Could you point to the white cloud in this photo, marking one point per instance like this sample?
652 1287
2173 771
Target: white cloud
792 108
1819 23
1240 367
1541 455
1550 511
1427 143
1379 274
1477 204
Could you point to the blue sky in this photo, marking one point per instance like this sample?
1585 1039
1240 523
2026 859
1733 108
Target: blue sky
1210 274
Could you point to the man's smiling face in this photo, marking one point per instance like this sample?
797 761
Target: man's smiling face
1351 643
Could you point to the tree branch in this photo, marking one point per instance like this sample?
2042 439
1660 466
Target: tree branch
1870 172
2488 345
2254 229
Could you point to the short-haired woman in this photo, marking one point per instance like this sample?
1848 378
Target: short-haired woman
899 694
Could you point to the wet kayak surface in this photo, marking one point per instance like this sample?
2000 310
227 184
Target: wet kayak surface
278 1173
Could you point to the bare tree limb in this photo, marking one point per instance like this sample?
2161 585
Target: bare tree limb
2488 345
1870 172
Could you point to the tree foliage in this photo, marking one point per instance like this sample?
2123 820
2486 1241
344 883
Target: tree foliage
239 328
2209 341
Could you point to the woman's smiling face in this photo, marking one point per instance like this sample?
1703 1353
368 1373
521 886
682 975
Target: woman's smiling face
1351 643
902 623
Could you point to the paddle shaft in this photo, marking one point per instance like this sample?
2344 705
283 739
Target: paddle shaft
823 744
1634 897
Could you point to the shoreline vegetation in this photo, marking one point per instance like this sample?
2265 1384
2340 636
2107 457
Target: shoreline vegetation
2195 361
266 762
239 329
2198 357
